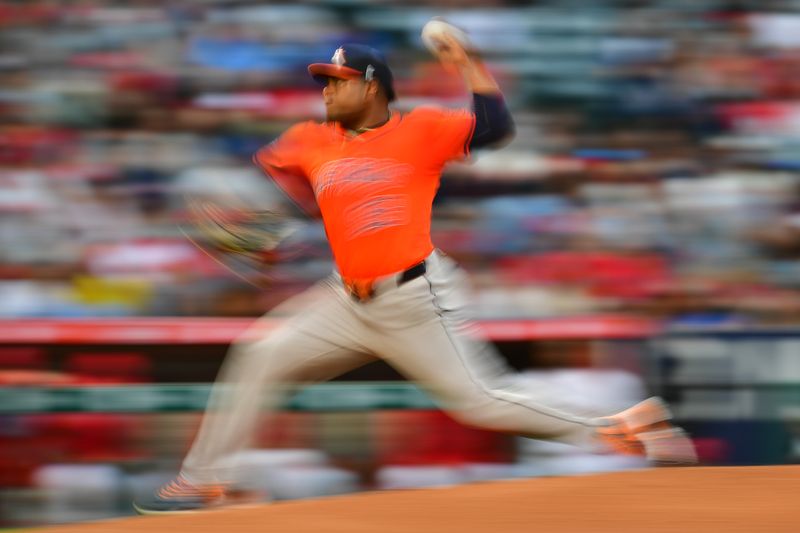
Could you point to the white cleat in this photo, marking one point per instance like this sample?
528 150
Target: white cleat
643 415
645 429
668 446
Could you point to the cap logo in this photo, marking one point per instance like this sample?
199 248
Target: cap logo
369 72
338 57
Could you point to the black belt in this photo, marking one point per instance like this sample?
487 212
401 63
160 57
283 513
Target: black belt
412 272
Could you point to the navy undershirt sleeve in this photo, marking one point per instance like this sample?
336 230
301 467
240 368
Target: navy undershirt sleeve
493 121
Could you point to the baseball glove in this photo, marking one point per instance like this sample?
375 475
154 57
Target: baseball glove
242 240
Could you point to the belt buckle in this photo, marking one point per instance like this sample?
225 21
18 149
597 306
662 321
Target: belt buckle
360 290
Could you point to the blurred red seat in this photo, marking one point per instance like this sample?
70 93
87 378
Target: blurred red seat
432 437
82 437
110 367
604 273
22 358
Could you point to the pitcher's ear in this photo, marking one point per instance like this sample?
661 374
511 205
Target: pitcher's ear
373 87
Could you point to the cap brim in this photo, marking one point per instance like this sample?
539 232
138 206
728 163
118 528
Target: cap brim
329 70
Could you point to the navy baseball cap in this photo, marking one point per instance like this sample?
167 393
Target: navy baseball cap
354 61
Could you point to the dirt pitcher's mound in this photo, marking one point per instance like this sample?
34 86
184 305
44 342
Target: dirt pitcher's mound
680 499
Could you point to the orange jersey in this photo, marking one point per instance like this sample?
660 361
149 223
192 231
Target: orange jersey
375 190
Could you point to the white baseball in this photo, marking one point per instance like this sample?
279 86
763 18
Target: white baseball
435 29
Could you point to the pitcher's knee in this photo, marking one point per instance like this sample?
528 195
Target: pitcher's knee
276 342
265 356
247 354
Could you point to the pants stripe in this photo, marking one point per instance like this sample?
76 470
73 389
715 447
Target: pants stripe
496 395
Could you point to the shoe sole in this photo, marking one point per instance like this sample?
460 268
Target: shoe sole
150 512
226 503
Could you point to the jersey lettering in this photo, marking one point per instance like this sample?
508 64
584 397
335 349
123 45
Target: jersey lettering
363 186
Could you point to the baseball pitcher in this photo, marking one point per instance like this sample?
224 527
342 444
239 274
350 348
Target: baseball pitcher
371 174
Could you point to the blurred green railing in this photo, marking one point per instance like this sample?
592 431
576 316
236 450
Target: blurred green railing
193 397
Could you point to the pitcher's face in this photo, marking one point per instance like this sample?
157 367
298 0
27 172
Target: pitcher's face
346 99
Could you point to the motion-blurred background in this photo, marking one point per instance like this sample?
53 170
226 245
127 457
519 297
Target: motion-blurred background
640 235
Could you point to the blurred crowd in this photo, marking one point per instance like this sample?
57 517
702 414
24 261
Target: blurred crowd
654 171
655 167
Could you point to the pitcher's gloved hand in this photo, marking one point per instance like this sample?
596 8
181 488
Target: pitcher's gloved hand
244 241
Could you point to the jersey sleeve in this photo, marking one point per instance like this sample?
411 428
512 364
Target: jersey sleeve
449 132
283 162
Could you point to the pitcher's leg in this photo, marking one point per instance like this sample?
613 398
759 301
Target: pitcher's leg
464 373
465 377
315 344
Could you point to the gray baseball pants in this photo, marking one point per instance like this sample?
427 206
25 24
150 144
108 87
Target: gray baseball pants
418 327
